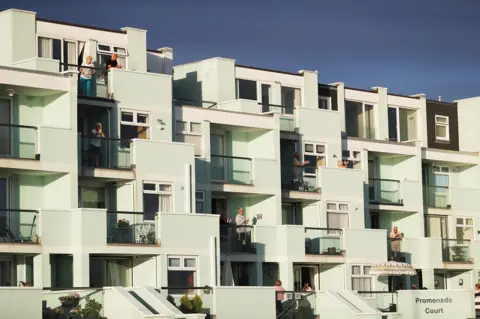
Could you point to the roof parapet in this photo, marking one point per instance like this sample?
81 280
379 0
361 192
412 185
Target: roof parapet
419 95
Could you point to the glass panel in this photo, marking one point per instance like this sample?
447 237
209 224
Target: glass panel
149 186
332 206
165 188
180 278
323 103
469 221
309 148
102 47
196 127
344 207
441 131
459 221
369 122
173 262
441 120
127 116
142 118
199 195
356 270
119 50
190 262
404 129
93 197
320 149
366 270
247 89
150 206
392 124
354 119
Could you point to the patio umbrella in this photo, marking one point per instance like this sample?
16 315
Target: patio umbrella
392 268
227 276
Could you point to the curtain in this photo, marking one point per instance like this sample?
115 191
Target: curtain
298 99
337 220
117 272
45 48
165 203
71 54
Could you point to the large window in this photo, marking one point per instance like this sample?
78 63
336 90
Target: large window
256 91
200 202
182 273
316 156
134 124
157 197
402 124
105 51
247 89
337 216
442 130
110 272
92 197
66 51
361 279
464 229
359 119
190 133
291 98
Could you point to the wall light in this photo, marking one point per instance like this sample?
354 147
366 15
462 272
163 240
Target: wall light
11 92
460 282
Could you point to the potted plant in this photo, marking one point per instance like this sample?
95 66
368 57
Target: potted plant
151 238
76 313
123 223
194 305
70 301
92 309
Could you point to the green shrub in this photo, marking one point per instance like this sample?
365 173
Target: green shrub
194 305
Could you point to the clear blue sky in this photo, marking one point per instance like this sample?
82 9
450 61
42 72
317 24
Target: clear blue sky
409 46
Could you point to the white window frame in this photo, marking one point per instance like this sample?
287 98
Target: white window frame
397 116
183 268
314 153
62 41
188 125
112 51
363 116
446 125
464 225
295 106
351 158
135 122
157 191
337 210
202 200
362 275
329 102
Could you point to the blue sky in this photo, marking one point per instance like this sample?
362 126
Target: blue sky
409 46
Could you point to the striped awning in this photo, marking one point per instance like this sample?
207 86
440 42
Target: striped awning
393 268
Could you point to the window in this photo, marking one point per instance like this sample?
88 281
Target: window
337 216
402 124
291 98
246 89
108 272
360 121
134 124
190 133
361 279
442 131
200 202
59 49
324 103
157 197
315 153
105 51
353 159
182 272
464 229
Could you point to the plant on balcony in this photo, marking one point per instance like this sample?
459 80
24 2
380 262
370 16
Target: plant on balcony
193 305
123 223
70 301
92 309
151 238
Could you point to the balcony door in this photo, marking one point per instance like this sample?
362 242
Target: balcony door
219 162
5 131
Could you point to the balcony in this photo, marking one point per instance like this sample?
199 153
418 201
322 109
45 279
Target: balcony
105 153
231 169
18 141
18 226
130 228
457 251
323 241
436 196
306 181
287 119
95 87
384 191
236 239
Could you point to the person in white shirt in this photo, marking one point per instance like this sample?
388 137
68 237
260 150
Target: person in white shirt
86 77
96 144
243 233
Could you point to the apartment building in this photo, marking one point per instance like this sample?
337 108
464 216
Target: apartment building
322 172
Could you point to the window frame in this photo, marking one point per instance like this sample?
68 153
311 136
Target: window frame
62 43
314 153
182 267
446 125
374 110
352 159
111 51
464 225
295 106
337 210
135 122
329 102
202 201
362 276
191 133
157 191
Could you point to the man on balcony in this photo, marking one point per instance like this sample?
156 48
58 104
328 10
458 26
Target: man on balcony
297 171
111 63
395 240
243 233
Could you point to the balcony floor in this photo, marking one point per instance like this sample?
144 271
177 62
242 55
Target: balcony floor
107 174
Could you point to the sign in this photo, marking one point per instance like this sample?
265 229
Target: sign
436 304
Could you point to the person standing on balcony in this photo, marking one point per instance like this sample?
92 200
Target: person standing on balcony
279 291
86 77
243 233
96 144
111 63
297 170
395 240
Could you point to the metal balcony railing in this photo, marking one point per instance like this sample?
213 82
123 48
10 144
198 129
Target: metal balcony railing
130 228
18 226
111 153
457 250
323 241
236 239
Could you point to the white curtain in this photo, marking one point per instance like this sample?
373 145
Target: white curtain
45 49
337 220
72 55
117 273
227 275
165 203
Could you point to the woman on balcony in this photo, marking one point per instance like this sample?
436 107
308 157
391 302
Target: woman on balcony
96 144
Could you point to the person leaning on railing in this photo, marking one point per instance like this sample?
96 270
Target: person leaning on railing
395 240
242 232
297 169
111 63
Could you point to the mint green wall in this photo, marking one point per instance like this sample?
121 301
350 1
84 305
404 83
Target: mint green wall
17 36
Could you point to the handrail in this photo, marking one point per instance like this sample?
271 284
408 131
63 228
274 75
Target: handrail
106 138
124 212
436 186
16 210
322 228
384 180
192 288
20 126
377 292
236 226
201 101
232 157
456 239
81 66
277 105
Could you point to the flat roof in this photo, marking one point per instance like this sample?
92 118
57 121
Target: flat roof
81 26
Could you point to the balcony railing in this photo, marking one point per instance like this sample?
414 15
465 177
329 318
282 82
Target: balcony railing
18 226
196 103
130 228
436 196
303 179
110 153
231 169
94 81
18 141
236 239
384 191
295 304
323 241
457 250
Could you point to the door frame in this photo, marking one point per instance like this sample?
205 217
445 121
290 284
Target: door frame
315 281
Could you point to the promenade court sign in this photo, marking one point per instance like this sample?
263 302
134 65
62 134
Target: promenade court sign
436 304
